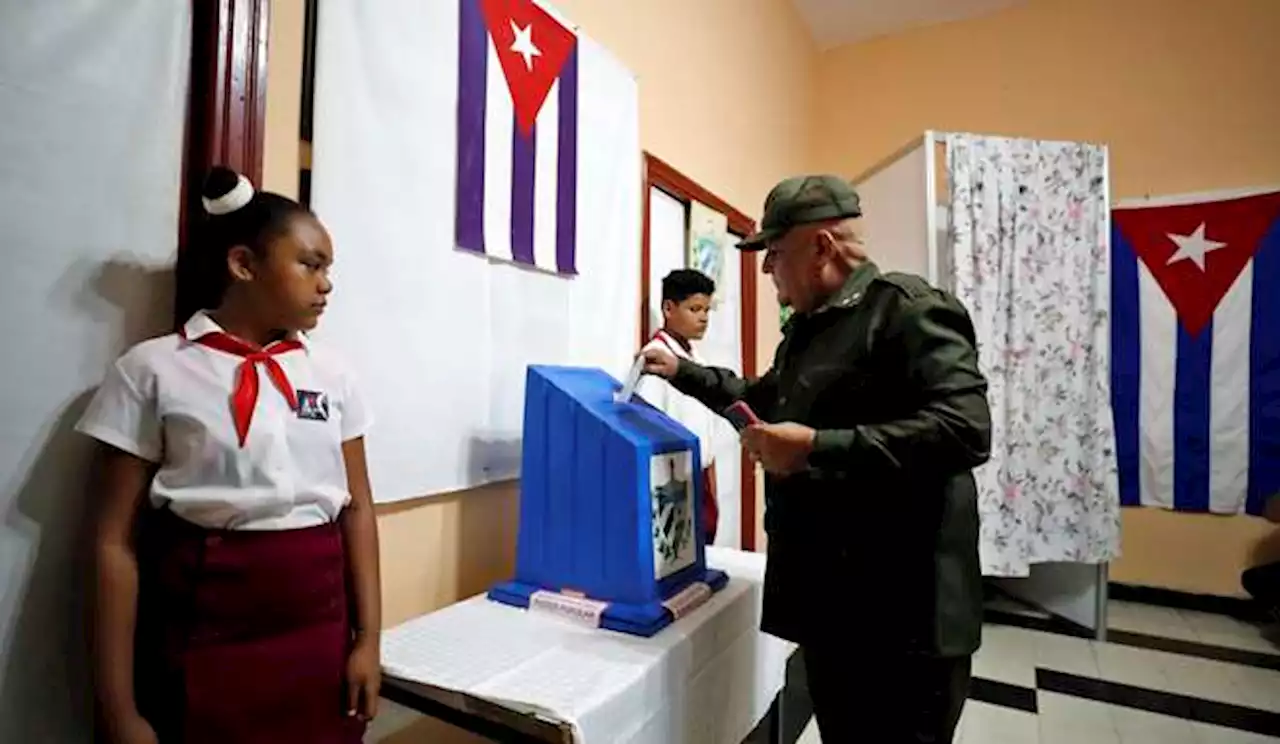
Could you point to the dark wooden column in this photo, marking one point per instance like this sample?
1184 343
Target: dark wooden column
226 111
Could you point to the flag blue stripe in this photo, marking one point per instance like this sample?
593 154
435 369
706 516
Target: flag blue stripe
567 169
1126 361
1191 434
524 159
473 65
1264 374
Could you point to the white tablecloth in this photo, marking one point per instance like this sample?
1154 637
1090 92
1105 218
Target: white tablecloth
706 679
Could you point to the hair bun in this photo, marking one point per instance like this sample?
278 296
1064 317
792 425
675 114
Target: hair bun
225 191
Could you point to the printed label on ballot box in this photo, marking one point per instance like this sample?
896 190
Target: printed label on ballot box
577 610
688 599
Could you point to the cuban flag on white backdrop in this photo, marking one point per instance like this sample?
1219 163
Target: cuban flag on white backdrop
478 165
1196 352
517 134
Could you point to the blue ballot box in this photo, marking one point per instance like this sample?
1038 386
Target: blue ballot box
610 526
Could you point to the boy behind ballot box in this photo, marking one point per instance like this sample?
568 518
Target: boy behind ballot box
686 309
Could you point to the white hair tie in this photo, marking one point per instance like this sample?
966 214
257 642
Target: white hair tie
232 200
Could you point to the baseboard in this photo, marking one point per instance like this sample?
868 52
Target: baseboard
1237 607
1034 618
1048 623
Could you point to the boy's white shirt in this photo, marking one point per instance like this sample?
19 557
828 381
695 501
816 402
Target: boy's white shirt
659 393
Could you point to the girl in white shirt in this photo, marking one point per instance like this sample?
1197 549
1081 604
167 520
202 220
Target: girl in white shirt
247 609
686 310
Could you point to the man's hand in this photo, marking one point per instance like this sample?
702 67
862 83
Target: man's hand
661 362
782 449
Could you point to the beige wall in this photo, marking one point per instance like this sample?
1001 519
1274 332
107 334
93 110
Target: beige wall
728 112
1184 92
284 97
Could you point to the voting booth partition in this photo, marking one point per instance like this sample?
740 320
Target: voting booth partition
609 530
908 202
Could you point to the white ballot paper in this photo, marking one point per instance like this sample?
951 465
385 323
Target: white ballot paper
633 379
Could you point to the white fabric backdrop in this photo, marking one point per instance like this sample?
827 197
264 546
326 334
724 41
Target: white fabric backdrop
93 95
440 338
666 246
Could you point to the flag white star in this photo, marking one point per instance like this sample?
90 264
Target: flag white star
1193 247
524 44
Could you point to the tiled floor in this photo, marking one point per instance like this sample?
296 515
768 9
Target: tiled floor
1165 677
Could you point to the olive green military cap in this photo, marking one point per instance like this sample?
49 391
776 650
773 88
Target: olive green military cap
800 200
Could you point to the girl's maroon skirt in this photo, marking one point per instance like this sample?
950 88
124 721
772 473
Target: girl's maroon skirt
243 636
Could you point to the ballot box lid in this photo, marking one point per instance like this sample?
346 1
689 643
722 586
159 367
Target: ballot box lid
593 390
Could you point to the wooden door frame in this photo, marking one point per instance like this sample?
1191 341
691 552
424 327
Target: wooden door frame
226 112
660 174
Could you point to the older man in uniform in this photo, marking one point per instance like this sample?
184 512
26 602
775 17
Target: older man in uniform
873 414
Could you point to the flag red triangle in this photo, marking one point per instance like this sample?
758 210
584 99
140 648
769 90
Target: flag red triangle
1234 229
532 48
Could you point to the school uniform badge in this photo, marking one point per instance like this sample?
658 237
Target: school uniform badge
313 405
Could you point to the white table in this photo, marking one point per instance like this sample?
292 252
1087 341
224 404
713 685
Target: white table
706 679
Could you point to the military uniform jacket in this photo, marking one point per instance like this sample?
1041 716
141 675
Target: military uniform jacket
880 535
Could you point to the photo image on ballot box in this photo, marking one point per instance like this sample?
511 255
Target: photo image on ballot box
671 482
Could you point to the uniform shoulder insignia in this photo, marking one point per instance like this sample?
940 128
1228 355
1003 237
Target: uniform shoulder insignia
910 285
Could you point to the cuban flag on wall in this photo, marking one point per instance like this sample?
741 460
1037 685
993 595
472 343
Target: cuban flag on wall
1196 352
517 135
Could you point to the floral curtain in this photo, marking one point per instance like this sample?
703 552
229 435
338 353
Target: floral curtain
1028 258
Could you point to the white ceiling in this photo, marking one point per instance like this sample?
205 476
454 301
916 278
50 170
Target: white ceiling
835 22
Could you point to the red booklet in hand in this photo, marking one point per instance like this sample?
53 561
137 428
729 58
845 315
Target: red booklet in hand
741 416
